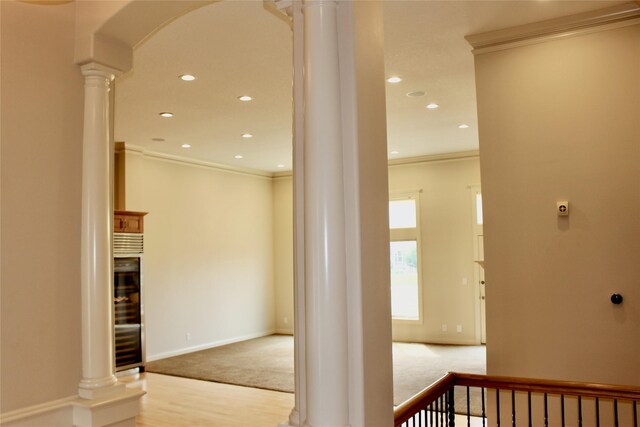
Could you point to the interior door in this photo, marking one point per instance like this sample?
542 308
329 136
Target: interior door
478 257
483 297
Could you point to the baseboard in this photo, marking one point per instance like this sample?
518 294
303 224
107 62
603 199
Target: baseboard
440 340
73 411
284 331
54 413
164 355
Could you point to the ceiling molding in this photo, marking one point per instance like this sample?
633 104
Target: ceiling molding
461 155
137 150
566 26
282 175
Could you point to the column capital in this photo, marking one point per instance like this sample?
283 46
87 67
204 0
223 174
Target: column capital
318 3
96 69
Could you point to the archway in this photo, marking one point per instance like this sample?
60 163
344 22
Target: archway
344 375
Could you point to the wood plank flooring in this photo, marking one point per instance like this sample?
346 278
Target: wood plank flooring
181 402
176 402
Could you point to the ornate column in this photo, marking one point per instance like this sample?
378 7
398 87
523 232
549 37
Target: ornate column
98 379
326 350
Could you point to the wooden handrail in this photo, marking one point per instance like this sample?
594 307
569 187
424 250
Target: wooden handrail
569 388
427 396
424 398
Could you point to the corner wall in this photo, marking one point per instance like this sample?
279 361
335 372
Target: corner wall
42 118
283 253
447 253
446 215
209 262
559 121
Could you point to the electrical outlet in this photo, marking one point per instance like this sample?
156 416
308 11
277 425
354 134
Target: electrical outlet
458 328
465 282
187 336
444 327
285 320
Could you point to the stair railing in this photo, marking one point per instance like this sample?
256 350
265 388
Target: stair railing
513 401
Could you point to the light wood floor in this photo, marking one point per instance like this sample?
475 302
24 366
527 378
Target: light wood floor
175 402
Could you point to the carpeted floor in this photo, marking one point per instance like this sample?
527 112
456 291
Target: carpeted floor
267 363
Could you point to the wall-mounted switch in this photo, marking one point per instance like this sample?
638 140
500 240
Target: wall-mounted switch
562 208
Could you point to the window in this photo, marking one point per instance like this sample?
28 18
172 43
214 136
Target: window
479 218
405 259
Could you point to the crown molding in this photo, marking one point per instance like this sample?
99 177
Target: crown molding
460 155
283 174
135 149
141 151
566 26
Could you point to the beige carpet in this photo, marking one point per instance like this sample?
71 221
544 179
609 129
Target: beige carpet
268 363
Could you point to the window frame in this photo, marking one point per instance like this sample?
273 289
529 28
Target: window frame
409 234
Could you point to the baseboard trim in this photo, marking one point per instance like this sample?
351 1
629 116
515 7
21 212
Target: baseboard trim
75 411
440 340
41 414
178 352
284 331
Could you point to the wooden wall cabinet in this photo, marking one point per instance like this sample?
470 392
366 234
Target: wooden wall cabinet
128 222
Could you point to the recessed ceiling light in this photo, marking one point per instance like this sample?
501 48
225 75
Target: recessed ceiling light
394 79
157 139
238 156
186 145
247 135
281 165
463 126
395 152
245 98
432 106
415 94
166 114
188 77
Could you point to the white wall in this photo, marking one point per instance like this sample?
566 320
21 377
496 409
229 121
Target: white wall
560 120
42 108
447 249
208 263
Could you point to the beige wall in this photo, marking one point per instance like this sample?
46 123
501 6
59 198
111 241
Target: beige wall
208 263
42 104
447 252
283 252
560 120
447 249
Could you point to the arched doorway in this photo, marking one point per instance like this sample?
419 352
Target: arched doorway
339 187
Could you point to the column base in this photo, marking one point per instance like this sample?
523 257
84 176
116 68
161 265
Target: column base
100 389
120 410
309 425
294 419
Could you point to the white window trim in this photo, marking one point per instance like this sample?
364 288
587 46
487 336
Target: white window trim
405 234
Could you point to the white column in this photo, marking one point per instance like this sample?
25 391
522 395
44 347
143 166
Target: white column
299 413
325 258
98 379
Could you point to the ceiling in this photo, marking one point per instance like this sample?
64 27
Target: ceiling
238 48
